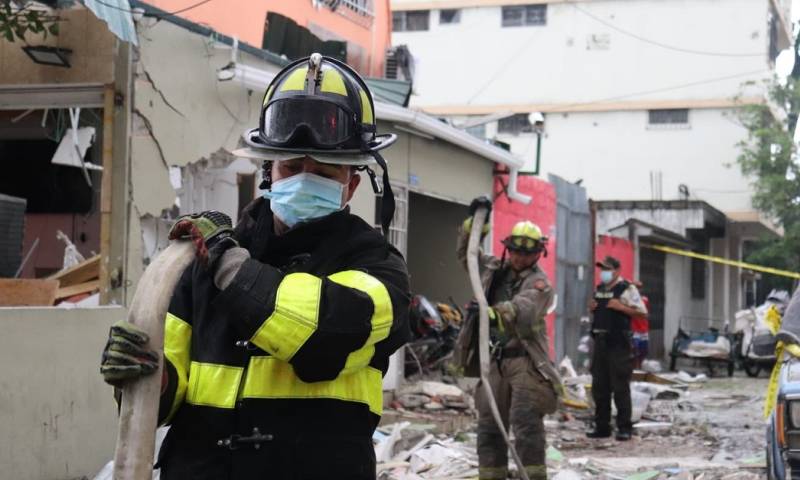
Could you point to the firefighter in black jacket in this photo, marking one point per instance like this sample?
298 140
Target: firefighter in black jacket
615 301
278 336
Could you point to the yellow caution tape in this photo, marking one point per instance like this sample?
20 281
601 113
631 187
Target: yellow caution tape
772 389
723 261
773 320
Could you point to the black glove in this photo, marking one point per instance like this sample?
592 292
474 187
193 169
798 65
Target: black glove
125 356
211 231
482 201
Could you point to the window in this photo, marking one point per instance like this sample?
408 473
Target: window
398 230
449 15
410 21
515 124
698 270
677 116
522 15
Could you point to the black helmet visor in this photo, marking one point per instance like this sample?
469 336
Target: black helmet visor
326 124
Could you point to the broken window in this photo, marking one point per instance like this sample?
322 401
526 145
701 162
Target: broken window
60 196
449 16
410 21
524 15
515 124
671 116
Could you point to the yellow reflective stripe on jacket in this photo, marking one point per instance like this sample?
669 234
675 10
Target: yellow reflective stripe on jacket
213 385
381 316
295 316
271 378
177 348
332 82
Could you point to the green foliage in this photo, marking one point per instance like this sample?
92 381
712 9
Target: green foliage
16 22
769 157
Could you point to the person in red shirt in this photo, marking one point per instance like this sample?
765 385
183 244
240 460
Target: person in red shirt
640 327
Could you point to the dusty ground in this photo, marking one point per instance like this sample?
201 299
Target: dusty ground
716 431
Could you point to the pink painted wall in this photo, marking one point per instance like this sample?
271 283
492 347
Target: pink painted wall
245 19
618 248
541 211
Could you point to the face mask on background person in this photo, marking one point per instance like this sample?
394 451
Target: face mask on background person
606 276
304 197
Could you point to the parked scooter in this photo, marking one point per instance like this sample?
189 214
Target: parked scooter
758 342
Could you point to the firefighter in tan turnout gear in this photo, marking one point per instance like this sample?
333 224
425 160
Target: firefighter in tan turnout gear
525 383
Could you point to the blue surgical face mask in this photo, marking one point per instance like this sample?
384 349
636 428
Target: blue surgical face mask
606 276
304 197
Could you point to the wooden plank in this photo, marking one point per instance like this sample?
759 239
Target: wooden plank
27 292
80 273
71 290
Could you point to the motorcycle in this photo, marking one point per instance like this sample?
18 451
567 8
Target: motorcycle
434 329
758 343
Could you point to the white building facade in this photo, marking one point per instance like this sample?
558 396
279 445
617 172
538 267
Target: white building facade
638 96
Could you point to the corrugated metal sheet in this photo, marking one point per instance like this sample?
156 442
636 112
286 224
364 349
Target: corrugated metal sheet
396 92
574 270
117 14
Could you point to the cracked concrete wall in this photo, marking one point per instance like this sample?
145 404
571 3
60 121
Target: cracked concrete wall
181 114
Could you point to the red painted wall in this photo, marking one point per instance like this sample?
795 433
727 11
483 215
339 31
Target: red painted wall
541 211
618 248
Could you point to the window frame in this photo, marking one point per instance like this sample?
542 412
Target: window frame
455 19
516 124
530 15
400 18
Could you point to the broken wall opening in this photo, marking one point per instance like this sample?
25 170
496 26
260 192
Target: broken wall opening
60 196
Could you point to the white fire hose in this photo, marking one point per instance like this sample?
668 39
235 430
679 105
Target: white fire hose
138 418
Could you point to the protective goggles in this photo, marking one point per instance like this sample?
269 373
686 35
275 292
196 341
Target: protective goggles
326 124
523 244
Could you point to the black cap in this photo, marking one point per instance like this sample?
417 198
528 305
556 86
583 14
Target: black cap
609 263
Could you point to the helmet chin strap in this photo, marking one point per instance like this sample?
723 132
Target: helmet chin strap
387 200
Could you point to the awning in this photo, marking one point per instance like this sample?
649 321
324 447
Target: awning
23 97
117 14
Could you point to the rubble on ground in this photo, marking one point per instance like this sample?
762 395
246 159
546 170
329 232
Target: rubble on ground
690 428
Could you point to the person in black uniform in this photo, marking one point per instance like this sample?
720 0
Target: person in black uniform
279 334
615 301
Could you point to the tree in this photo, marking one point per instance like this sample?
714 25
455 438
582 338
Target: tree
16 22
769 157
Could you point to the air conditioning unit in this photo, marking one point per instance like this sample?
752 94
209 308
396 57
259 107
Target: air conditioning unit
12 231
390 66
399 64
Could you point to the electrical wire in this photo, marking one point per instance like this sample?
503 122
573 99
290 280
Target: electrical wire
165 14
659 44
660 90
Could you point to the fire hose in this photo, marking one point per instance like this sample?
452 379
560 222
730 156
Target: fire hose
138 418
478 221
